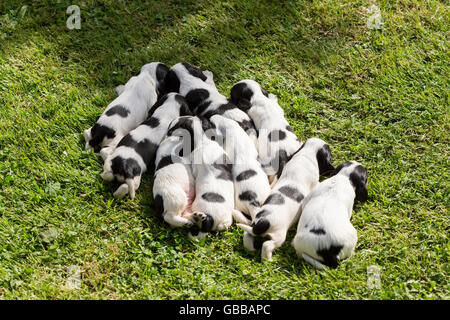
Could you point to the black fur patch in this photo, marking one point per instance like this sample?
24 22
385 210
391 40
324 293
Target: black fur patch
241 95
171 82
261 226
213 197
165 161
158 205
282 158
207 224
225 171
197 100
247 174
98 133
329 255
292 193
146 149
128 168
276 135
324 161
358 178
184 108
161 73
248 126
262 214
249 196
193 71
157 104
119 110
319 231
275 199
152 122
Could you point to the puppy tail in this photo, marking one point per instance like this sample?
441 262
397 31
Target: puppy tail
246 228
131 189
314 262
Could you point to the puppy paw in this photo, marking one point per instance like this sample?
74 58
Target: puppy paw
121 191
198 217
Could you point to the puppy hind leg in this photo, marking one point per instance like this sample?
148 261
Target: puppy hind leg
121 191
249 241
176 220
269 246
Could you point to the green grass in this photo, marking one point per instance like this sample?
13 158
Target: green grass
376 96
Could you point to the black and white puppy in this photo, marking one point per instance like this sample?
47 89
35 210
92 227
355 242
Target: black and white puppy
136 151
325 234
251 186
129 109
214 202
203 98
276 141
281 209
174 185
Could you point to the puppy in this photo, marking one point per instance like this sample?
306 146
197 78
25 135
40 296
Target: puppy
276 141
214 202
281 208
203 98
136 151
174 185
129 109
251 186
325 234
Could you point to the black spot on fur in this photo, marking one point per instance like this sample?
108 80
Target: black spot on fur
207 224
98 133
275 199
193 71
165 161
329 255
119 110
184 108
245 175
282 158
248 126
261 226
249 196
207 125
262 214
145 148
225 171
157 104
292 193
324 158
241 95
319 231
184 123
213 197
128 168
197 100
158 205
358 178
152 122
161 73
194 230
276 135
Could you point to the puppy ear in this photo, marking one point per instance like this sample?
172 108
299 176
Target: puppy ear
193 71
184 108
241 95
358 178
206 124
340 167
171 82
324 158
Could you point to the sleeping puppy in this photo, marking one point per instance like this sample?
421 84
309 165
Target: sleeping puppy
203 98
281 208
129 109
276 141
136 151
325 234
251 186
173 186
214 202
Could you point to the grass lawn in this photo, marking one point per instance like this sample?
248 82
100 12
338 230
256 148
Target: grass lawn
376 96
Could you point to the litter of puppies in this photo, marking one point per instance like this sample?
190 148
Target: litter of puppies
219 159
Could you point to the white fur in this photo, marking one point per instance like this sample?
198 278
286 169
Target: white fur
244 156
329 208
175 184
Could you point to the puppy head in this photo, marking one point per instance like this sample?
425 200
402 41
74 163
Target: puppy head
158 71
242 93
175 100
98 136
323 155
357 175
182 69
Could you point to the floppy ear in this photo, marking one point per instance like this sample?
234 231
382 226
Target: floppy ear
324 161
184 108
193 71
241 95
358 178
161 73
340 167
171 82
206 124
